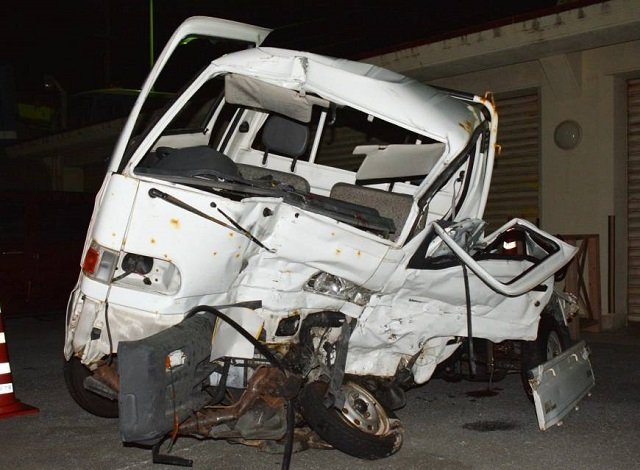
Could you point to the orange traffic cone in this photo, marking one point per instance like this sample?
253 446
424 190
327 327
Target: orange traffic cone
9 405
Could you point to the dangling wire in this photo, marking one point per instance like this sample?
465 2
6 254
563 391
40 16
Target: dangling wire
106 322
266 352
472 362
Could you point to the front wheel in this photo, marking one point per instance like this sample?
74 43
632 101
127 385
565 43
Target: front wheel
74 374
553 338
362 428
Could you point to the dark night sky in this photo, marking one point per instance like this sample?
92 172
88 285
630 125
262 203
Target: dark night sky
98 43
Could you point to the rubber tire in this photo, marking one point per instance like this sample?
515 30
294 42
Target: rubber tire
74 374
534 353
329 424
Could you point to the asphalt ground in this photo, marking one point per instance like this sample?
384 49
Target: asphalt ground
445 426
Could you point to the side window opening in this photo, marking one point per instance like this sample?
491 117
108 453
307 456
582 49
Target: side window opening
189 128
196 113
222 126
349 128
191 57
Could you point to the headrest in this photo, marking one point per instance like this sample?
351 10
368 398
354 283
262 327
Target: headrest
285 137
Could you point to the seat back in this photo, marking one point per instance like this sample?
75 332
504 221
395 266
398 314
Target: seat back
394 206
284 137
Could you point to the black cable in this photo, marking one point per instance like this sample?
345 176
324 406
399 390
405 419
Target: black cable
467 293
288 447
472 364
258 345
106 321
288 443
222 384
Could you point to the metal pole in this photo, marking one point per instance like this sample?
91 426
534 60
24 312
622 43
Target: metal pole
151 51
611 265
472 357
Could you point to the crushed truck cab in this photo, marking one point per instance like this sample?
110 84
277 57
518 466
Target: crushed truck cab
294 233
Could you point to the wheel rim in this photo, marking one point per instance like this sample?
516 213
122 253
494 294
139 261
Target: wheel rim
363 411
554 345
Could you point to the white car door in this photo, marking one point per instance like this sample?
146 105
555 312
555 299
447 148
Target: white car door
509 277
197 26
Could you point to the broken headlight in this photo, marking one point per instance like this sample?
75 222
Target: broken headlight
334 286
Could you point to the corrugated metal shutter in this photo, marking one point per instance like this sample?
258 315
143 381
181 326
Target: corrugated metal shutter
633 197
515 182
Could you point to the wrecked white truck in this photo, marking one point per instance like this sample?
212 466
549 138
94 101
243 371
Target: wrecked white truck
237 282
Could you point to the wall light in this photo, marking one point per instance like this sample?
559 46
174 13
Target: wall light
567 135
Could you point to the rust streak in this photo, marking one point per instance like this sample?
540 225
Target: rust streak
108 375
268 386
466 125
175 223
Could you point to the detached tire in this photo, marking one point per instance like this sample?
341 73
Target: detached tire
74 374
363 428
553 338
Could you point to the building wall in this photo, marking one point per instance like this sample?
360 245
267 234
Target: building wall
579 60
